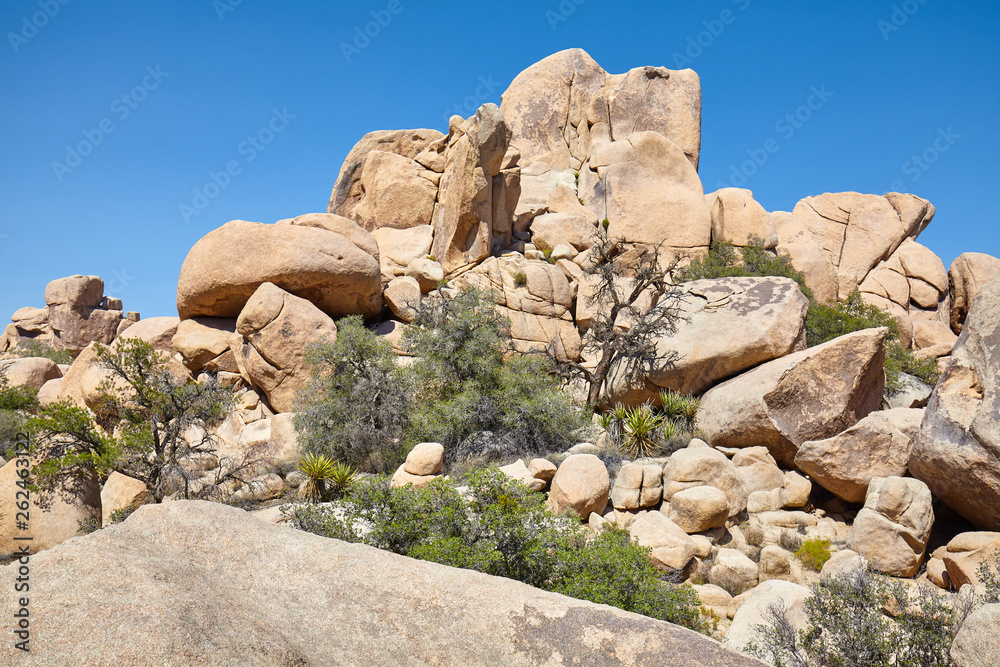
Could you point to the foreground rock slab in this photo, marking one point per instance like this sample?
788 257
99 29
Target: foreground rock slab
210 584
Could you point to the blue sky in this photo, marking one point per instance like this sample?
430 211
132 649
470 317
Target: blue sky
165 94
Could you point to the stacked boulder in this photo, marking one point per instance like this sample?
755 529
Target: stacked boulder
422 465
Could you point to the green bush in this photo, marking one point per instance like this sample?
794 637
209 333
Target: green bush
33 348
814 553
356 406
500 527
848 625
824 322
15 405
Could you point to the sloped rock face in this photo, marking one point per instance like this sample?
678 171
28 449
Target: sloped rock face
726 326
272 335
858 231
535 296
809 395
968 274
258 603
227 266
957 450
558 106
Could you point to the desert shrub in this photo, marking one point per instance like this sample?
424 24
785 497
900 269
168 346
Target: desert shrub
498 526
680 409
848 625
813 553
356 406
642 432
754 534
15 405
824 322
34 348
325 478
475 396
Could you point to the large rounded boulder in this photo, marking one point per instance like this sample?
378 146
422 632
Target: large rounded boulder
225 268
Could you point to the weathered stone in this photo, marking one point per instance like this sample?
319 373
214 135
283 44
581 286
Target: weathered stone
699 466
795 492
203 339
54 514
428 273
734 571
581 485
966 552
672 548
968 274
542 469
892 529
259 604
806 255
977 643
273 332
31 372
877 446
427 458
121 492
699 508
790 597
736 217
956 450
225 268
394 193
519 471
400 248
807 395
402 295
758 469
402 478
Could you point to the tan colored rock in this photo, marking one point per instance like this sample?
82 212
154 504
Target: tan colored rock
650 193
627 488
427 458
672 548
736 217
937 573
964 554
429 274
726 325
877 446
699 466
32 372
789 596
519 471
892 529
734 571
225 268
121 492
957 450
202 339
555 108
858 230
410 144
402 478
394 193
49 393
337 224
764 501
535 296
758 469
542 469
54 514
268 573
775 563
699 508
977 643
552 229
273 333
76 315
399 248
402 295
968 274
806 255
581 485
796 491
933 333
284 441
157 331
807 395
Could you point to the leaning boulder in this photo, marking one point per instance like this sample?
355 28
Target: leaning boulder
225 268
968 274
892 529
808 395
272 335
581 485
957 450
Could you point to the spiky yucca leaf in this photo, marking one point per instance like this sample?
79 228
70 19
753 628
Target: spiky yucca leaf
641 432
318 468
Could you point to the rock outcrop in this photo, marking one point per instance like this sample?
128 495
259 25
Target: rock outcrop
892 529
809 395
957 450
968 274
258 604
329 269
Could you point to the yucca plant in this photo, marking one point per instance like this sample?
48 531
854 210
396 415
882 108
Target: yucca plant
319 469
341 480
641 432
680 408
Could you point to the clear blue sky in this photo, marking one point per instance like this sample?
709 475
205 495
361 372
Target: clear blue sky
197 87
